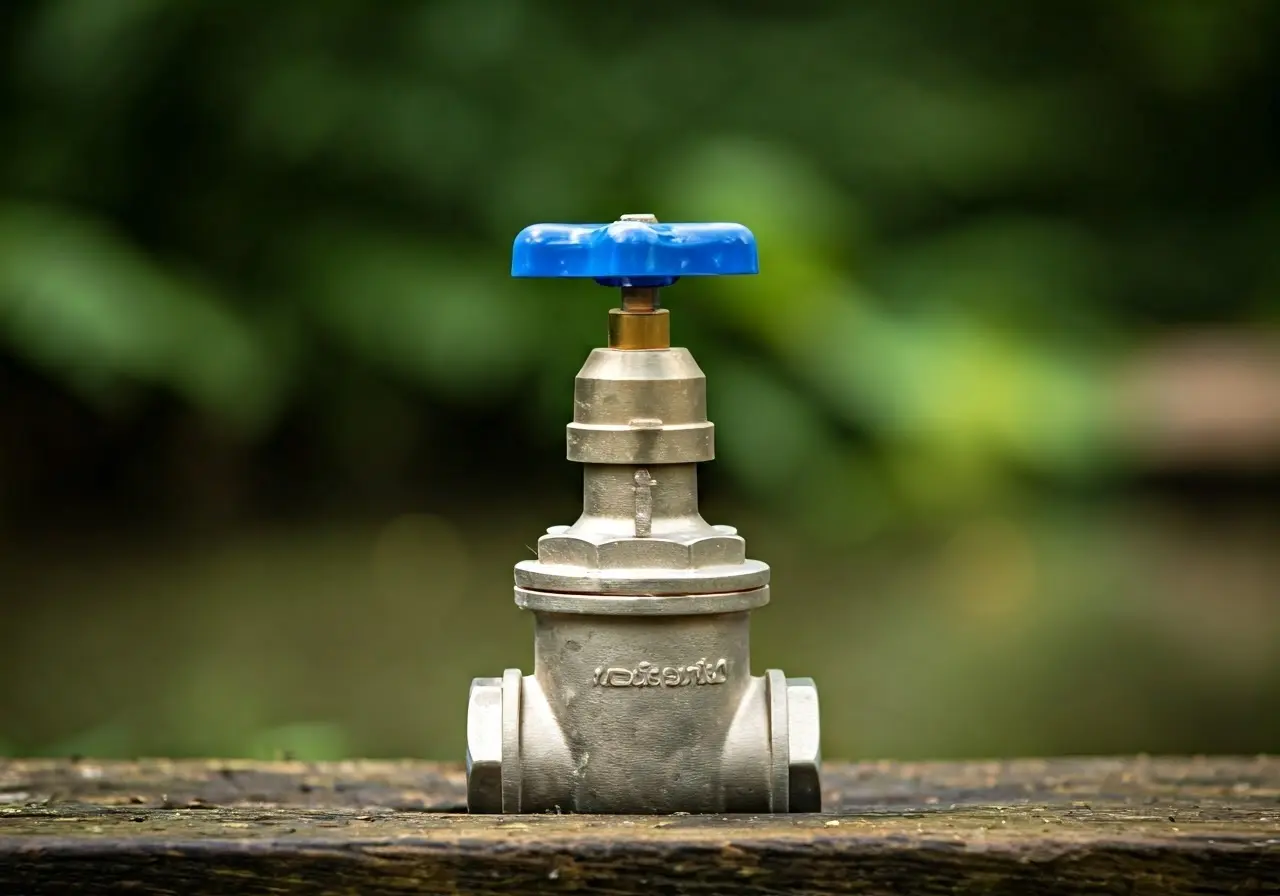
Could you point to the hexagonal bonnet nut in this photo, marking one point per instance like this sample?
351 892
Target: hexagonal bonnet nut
484 746
804 739
654 552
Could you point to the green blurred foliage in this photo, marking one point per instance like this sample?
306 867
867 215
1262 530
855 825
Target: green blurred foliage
963 212
295 218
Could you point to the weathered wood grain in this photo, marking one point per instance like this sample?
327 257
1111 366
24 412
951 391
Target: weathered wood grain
1138 825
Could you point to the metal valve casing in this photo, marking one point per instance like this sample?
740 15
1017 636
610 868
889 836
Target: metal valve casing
641 698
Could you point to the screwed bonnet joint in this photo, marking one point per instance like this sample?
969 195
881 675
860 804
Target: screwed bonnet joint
641 698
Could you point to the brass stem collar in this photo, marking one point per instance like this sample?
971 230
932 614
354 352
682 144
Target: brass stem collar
639 330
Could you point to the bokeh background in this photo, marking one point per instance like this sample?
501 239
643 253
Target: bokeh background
1002 409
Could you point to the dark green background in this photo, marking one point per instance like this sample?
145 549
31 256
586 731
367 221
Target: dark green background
1001 408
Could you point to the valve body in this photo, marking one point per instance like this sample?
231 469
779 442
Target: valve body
641 698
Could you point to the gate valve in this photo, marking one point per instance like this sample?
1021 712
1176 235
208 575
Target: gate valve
641 698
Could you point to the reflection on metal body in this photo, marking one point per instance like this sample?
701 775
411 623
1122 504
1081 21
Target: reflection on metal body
641 698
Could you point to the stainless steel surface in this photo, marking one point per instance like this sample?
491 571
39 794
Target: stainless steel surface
752 574
512 769
642 604
484 746
779 742
804 745
603 553
641 698
640 407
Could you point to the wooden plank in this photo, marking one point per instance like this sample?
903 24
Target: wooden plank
1136 825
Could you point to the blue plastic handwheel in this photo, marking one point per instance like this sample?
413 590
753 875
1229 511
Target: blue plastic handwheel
634 253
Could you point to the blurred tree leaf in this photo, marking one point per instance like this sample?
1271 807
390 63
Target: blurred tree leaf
74 43
439 319
78 300
1191 47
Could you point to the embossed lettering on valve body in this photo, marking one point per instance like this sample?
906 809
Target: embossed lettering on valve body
650 675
